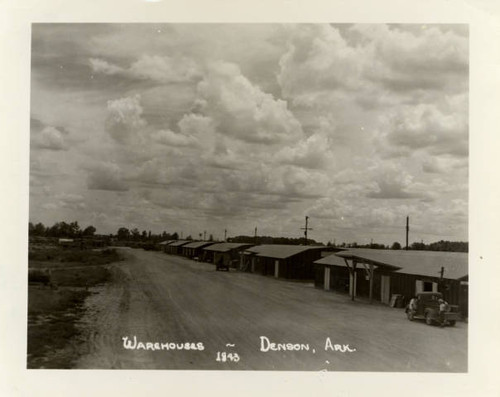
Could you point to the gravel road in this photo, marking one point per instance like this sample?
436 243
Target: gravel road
162 302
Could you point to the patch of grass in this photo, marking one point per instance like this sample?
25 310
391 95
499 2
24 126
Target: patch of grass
53 312
51 325
81 277
58 255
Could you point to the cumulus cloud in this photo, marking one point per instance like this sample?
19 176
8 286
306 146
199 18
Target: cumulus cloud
242 110
318 59
124 119
165 69
170 138
104 67
50 138
425 126
162 69
106 176
392 183
71 201
313 152
402 59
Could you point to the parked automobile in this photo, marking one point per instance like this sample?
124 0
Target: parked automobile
220 265
427 308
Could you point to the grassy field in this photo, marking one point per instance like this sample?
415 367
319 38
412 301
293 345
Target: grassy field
59 282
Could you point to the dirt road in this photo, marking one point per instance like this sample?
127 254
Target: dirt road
167 300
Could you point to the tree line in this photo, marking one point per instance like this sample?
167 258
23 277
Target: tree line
73 230
442 245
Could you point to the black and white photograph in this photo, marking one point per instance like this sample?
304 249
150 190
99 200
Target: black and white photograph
249 197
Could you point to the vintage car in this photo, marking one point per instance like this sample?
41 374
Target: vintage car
428 310
221 265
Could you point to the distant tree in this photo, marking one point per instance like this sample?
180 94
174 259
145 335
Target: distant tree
40 229
418 246
123 233
135 234
211 238
396 246
74 229
144 235
175 236
89 231
189 237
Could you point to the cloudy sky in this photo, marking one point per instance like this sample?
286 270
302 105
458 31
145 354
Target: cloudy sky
209 127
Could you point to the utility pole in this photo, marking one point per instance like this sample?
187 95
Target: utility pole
204 235
225 234
255 236
407 230
305 229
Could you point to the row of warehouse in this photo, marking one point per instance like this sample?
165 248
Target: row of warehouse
370 273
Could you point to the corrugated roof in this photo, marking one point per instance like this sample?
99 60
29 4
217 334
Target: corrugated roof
197 244
331 259
423 263
280 251
224 247
166 242
179 243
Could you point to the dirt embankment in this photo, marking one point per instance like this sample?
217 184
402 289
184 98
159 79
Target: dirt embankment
59 282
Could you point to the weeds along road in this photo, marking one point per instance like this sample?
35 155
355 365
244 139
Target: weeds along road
169 299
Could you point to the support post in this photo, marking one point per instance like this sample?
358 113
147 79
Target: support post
371 283
353 289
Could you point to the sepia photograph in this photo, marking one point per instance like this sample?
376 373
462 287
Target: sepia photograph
249 196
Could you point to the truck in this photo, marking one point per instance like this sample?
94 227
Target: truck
427 308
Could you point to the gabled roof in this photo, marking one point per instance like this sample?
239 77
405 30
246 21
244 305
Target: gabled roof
198 244
422 263
225 247
178 243
166 242
280 251
331 259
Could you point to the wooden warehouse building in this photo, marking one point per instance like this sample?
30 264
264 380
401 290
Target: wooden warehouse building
282 261
228 253
163 245
194 250
379 274
176 247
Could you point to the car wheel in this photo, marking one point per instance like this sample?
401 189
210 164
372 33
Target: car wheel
452 323
428 319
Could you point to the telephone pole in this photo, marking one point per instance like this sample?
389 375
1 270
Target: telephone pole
407 230
305 229
255 235
225 234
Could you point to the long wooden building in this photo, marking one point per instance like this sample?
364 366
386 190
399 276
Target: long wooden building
379 274
282 261
227 254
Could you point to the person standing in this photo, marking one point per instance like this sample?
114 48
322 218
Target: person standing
443 307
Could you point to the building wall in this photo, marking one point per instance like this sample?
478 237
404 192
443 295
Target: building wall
299 267
400 283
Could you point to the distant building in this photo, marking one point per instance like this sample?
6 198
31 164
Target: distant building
227 253
67 242
163 245
194 250
175 247
388 272
282 261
